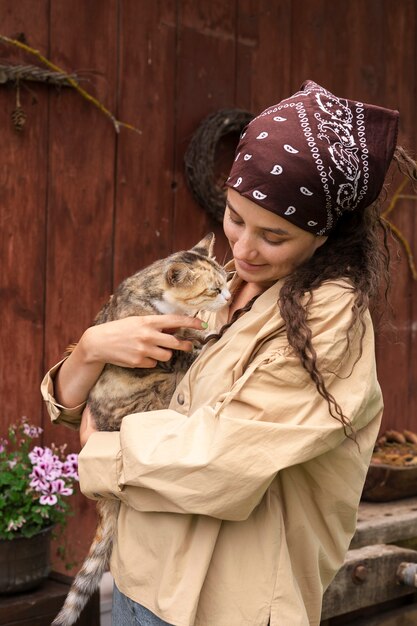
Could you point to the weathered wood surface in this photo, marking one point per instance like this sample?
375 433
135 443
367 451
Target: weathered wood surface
80 203
368 577
23 200
374 562
145 178
396 349
82 207
40 606
404 616
385 522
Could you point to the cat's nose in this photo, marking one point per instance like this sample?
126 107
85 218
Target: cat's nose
226 294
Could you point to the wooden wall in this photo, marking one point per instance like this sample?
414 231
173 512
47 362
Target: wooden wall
81 207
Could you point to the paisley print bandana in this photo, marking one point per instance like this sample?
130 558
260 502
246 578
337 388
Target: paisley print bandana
314 156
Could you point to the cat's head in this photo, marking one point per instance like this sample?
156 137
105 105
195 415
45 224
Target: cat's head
194 280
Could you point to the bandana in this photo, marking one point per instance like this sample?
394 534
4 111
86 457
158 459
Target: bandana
314 156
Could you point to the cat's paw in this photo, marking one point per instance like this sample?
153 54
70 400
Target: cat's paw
191 334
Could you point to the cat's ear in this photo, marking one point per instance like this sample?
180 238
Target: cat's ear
178 273
205 247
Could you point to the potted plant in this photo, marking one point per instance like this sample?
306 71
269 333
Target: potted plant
35 483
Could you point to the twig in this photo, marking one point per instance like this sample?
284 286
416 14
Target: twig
398 196
116 123
395 198
406 245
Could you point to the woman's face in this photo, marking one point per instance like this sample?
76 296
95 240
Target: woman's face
265 246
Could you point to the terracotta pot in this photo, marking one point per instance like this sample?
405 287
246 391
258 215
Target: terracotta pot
24 563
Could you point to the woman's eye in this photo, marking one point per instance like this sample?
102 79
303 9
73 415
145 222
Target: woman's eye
235 220
274 242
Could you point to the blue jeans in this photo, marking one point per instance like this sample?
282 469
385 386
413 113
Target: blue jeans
127 612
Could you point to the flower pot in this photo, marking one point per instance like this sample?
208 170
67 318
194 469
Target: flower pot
24 563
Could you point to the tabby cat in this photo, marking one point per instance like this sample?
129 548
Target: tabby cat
183 283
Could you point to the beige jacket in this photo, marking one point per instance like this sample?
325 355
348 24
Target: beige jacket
240 500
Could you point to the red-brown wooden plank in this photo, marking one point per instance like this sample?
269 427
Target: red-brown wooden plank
22 219
145 178
83 37
410 419
263 53
205 84
397 364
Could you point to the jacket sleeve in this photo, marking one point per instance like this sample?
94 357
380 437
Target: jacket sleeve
58 413
220 460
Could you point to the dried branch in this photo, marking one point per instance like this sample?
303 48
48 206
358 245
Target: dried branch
406 245
402 239
395 198
71 81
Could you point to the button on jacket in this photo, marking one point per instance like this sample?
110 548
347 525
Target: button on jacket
238 502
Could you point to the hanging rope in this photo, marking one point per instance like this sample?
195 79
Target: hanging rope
11 73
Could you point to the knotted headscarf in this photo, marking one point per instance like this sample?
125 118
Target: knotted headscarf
314 156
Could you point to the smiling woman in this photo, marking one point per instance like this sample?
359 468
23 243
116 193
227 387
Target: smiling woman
226 495
265 246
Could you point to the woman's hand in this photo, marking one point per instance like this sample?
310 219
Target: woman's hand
87 427
138 341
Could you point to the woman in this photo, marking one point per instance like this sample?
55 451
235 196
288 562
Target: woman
240 500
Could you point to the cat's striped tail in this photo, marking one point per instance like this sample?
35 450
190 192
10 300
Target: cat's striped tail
88 578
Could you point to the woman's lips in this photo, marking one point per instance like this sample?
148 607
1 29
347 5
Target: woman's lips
248 267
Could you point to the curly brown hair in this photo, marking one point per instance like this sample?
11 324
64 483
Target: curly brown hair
356 250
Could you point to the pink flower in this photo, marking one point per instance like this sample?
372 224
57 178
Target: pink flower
70 466
50 490
16 524
52 468
47 463
38 482
36 454
58 486
50 499
31 431
48 495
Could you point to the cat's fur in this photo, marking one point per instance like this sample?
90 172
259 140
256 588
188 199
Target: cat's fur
184 283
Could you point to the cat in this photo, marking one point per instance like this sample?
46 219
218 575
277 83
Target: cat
183 283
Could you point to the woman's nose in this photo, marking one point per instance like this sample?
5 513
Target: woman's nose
244 248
